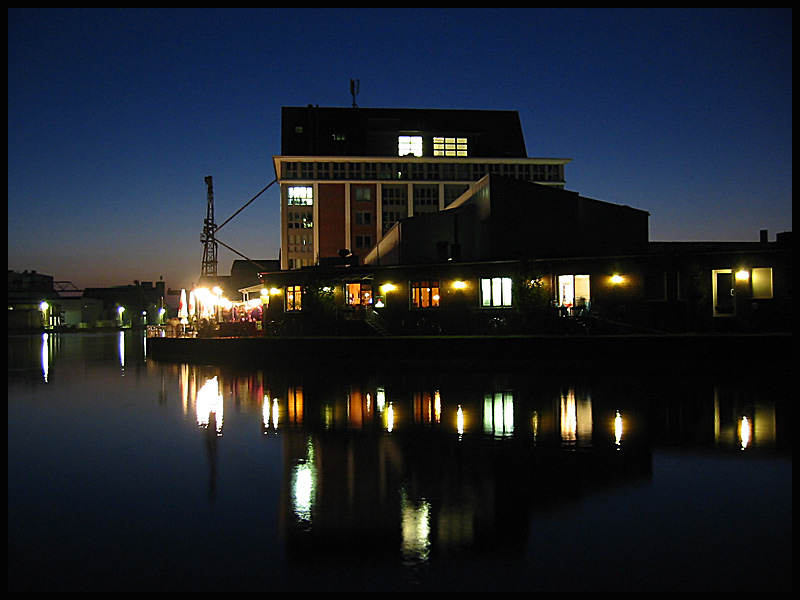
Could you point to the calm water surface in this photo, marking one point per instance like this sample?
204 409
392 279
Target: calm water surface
135 475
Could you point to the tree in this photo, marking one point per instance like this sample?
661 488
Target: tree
531 298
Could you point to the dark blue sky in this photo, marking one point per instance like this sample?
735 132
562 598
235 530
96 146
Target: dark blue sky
115 116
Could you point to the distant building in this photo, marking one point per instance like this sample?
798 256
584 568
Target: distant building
347 175
33 302
137 305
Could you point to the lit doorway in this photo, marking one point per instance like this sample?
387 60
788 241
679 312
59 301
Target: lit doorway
723 290
574 293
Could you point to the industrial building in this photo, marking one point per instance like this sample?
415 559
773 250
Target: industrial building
347 175
419 221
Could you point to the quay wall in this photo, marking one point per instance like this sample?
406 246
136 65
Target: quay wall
687 349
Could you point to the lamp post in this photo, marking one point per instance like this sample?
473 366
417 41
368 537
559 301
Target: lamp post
44 307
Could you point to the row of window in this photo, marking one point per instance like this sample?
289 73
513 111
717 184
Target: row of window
414 145
397 195
428 171
573 292
495 292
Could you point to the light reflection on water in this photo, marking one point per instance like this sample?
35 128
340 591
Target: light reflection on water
129 474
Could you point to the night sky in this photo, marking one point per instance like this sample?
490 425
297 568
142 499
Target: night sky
115 116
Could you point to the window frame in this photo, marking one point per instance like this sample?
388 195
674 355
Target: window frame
424 294
293 298
496 292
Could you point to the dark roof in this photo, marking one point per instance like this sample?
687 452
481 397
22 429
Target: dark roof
323 131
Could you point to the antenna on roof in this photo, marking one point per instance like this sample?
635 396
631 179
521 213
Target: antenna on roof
354 86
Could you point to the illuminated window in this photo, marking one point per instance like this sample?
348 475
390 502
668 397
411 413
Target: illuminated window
358 294
294 297
425 294
300 195
762 283
496 292
449 146
409 145
299 220
573 291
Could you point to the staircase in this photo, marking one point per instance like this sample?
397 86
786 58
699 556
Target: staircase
376 322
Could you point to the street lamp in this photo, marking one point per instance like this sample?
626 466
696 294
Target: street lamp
45 308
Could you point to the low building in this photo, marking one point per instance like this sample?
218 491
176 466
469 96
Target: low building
518 257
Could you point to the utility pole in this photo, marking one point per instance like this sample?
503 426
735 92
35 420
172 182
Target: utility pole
208 237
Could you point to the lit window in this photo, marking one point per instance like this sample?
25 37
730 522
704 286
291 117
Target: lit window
762 283
300 195
573 291
299 220
409 145
496 292
425 294
449 146
358 294
294 297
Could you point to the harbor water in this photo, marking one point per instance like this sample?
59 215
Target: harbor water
127 473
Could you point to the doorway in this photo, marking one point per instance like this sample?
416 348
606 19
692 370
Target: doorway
574 293
723 292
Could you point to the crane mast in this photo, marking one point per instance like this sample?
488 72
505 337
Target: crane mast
208 238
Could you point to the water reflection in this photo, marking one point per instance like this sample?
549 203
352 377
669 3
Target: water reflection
407 467
431 465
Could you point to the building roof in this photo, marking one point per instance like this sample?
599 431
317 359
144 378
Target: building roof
331 131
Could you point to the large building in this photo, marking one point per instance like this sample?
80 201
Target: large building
412 221
347 175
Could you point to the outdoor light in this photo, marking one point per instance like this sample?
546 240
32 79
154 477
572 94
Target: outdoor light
44 306
616 279
459 285
274 291
745 432
388 287
742 275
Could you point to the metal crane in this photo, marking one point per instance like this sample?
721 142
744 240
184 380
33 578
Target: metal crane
208 237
